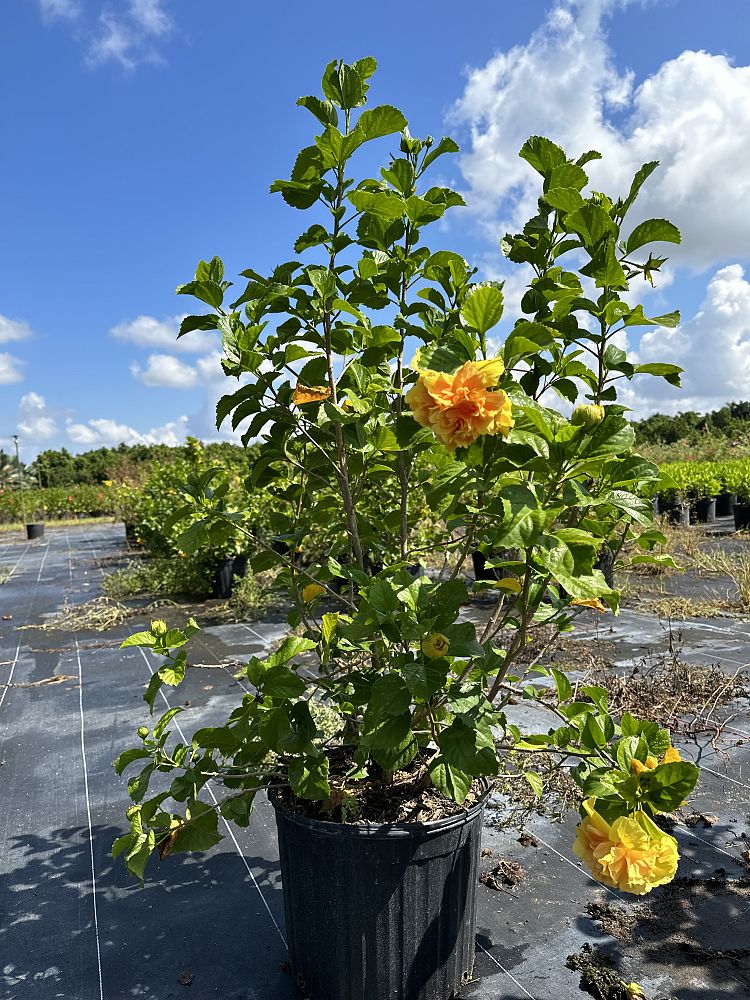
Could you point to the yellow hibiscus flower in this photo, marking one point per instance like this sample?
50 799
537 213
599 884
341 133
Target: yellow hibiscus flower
631 853
459 408
671 756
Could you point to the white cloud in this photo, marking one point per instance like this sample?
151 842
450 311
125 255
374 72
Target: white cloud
104 432
34 418
713 347
147 331
692 114
151 16
59 9
127 38
13 329
10 369
164 370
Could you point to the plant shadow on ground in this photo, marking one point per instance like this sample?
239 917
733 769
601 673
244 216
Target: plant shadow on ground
200 919
691 934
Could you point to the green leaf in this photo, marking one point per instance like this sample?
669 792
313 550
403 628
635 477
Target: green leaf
139 639
328 626
563 685
127 757
386 205
451 781
564 199
444 146
652 231
308 777
483 307
374 124
641 175
281 682
201 830
535 781
542 154
670 373
668 785
390 695
292 646
591 222
324 111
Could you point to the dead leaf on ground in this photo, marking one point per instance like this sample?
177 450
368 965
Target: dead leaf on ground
707 819
504 875
528 840
45 681
185 978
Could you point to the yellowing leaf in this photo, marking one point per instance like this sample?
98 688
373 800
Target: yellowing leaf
310 394
590 602
509 583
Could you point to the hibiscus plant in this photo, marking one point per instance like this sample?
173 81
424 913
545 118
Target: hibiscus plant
371 368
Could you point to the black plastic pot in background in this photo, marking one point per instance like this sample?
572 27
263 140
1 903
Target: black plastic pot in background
34 531
725 504
677 513
742 517
222 584
705 510
481 570
239 565
606 563
655 505
131 534
377 910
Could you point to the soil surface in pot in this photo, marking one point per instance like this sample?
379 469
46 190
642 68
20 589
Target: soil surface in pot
396 797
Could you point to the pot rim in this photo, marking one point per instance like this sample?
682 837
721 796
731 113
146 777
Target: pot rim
382 830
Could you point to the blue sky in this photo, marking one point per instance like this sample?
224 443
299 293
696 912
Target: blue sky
142 135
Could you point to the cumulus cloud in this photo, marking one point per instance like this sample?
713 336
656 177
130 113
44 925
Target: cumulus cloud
10 369
713 347
692 114
127 38
60 9
13 329
35 421
104 432
147 331
165 370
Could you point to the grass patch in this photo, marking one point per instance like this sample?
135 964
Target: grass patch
678 695
97 615
145 577
670 608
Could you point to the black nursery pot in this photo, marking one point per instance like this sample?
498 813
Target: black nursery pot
131 533
34 531
742 517
705 510
222 585
481 570
239 565
380 910
677 513
725 504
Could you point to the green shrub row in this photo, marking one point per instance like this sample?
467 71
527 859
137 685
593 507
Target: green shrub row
681 480
30 505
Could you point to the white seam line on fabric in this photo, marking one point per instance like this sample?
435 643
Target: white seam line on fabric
7 684
86 791
503 969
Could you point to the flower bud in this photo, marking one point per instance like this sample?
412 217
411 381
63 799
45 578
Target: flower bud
143 732
587 415
158 627
435 645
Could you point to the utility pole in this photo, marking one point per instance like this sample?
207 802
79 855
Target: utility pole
18 460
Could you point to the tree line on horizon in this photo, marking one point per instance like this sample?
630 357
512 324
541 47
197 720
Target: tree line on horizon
128 462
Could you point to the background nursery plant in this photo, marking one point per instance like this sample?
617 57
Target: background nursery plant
366 367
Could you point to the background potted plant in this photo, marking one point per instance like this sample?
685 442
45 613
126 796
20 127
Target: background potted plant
379 815
738 482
